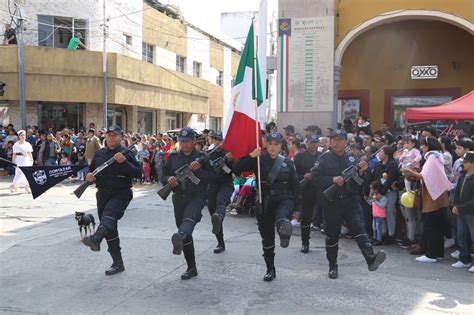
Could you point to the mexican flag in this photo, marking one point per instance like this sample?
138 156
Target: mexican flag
240 134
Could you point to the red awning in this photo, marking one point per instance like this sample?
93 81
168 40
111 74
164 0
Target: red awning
459 109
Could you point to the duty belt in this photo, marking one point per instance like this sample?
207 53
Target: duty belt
274 192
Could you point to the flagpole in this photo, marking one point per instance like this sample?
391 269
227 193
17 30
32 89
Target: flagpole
257 131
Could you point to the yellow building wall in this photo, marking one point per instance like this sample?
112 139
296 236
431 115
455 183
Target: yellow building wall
354 12
165 32
217 56
59 75
381 58
217 101
235 63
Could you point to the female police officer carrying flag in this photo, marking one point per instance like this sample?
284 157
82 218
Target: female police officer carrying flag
280 193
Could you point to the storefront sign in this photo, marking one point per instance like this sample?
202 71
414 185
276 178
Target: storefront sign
424 72
452 129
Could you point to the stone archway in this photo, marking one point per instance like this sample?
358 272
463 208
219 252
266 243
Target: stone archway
396 16
386 18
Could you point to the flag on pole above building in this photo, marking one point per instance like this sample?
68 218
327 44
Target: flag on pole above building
239 130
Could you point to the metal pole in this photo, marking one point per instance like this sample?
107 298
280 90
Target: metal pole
21 67
104 63
257 130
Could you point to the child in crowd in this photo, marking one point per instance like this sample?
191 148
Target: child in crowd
64 159
9 154
410 158
146 170
82 162
379 211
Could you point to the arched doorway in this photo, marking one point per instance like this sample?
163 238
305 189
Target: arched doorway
376 58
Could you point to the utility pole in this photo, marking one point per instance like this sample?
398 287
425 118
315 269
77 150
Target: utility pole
21 65
104 62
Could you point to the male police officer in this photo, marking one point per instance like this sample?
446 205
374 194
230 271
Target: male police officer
220 188
113 194
304 161
344 206
188 198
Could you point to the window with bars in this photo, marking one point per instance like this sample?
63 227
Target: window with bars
197 69
128 39
147 52
220 78
180 64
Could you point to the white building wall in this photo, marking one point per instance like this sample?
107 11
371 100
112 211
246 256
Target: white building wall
227 82
118 11
165 58
199 47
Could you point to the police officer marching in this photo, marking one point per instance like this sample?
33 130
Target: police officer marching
280 193
344 205
220 187
114 193
304 161
188 197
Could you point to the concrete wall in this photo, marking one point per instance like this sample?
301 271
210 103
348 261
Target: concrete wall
163 31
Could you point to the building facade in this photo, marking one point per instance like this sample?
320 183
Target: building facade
163 73
380 57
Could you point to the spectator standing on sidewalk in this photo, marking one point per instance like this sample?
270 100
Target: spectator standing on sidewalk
464 210
92 145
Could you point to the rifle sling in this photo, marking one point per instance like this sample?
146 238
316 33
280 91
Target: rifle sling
274 170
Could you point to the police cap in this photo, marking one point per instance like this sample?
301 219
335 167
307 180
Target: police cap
312 138
274 136
115 129
339 133
216 135
186 134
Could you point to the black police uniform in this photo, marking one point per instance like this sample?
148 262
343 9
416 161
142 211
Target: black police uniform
219 191
113 195
188 201
304 161
345 206
280 200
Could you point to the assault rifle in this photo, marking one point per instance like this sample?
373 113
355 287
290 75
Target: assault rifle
219 164
183 174
80 190
304 180
352 172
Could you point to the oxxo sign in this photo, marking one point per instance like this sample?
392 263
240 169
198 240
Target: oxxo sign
424 72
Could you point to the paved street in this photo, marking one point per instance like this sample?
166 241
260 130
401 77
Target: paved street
45 268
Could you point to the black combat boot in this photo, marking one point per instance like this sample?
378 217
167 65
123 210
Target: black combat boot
271 273
189 273
373 260
117 265
220 243
284 230
216 220
177 241
333 272
305 248
188 251
94 240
